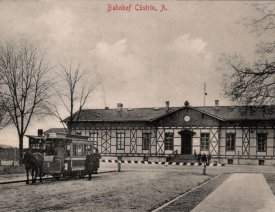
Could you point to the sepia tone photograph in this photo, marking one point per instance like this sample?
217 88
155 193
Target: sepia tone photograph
137 105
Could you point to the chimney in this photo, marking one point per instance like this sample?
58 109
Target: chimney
216 104
39 132
119 106
186 104
167 106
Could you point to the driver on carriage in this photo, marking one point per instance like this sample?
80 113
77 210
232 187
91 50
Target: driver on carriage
60 154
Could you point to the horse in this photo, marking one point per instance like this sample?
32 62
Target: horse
33 164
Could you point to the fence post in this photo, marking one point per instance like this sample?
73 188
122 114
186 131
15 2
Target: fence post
204 169
119 163
14 154
238 157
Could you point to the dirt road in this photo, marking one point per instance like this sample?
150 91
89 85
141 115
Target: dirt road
136 188
139 190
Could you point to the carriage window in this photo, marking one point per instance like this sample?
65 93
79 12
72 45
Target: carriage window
86 148
80 150
68 150
50 149
68 146
74 149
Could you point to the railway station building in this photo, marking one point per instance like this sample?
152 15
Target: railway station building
231 134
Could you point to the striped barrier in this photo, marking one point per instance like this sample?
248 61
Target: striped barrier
161 163
9 163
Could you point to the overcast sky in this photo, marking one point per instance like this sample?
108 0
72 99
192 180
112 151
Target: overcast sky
144 57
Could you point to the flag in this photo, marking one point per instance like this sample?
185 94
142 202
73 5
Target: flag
205 92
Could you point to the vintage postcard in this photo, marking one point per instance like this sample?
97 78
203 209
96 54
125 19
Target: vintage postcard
137 105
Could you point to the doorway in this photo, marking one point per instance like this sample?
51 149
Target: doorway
186 143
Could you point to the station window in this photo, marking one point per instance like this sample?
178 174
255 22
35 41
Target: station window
120 141
146 138
230 141
204 141
169 141
94 138
261 142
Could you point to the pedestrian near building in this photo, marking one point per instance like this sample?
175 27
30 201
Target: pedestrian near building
88 164
199 157
204 161
95 161
203 158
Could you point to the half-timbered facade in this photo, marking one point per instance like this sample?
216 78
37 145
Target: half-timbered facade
238 135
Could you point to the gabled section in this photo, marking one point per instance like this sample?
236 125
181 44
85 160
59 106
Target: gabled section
187 117
187 107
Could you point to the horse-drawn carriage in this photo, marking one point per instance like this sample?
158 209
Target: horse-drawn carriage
61 156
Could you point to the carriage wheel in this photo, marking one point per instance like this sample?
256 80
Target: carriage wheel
81 174
56 176
73 174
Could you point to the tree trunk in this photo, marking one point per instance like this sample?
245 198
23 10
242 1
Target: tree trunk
21 149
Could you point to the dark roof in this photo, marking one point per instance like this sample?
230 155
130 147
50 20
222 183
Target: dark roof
56 130
126 114
231 113
34 137
51 130
224 113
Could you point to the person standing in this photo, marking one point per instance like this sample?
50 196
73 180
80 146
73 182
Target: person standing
204 161
88 164
203 158
199 157
95 161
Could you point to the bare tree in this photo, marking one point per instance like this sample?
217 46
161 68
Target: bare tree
73 90
253 83
5 119
25 87
263 21
250 84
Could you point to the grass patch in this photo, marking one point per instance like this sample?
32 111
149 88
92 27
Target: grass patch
270 179
12 170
